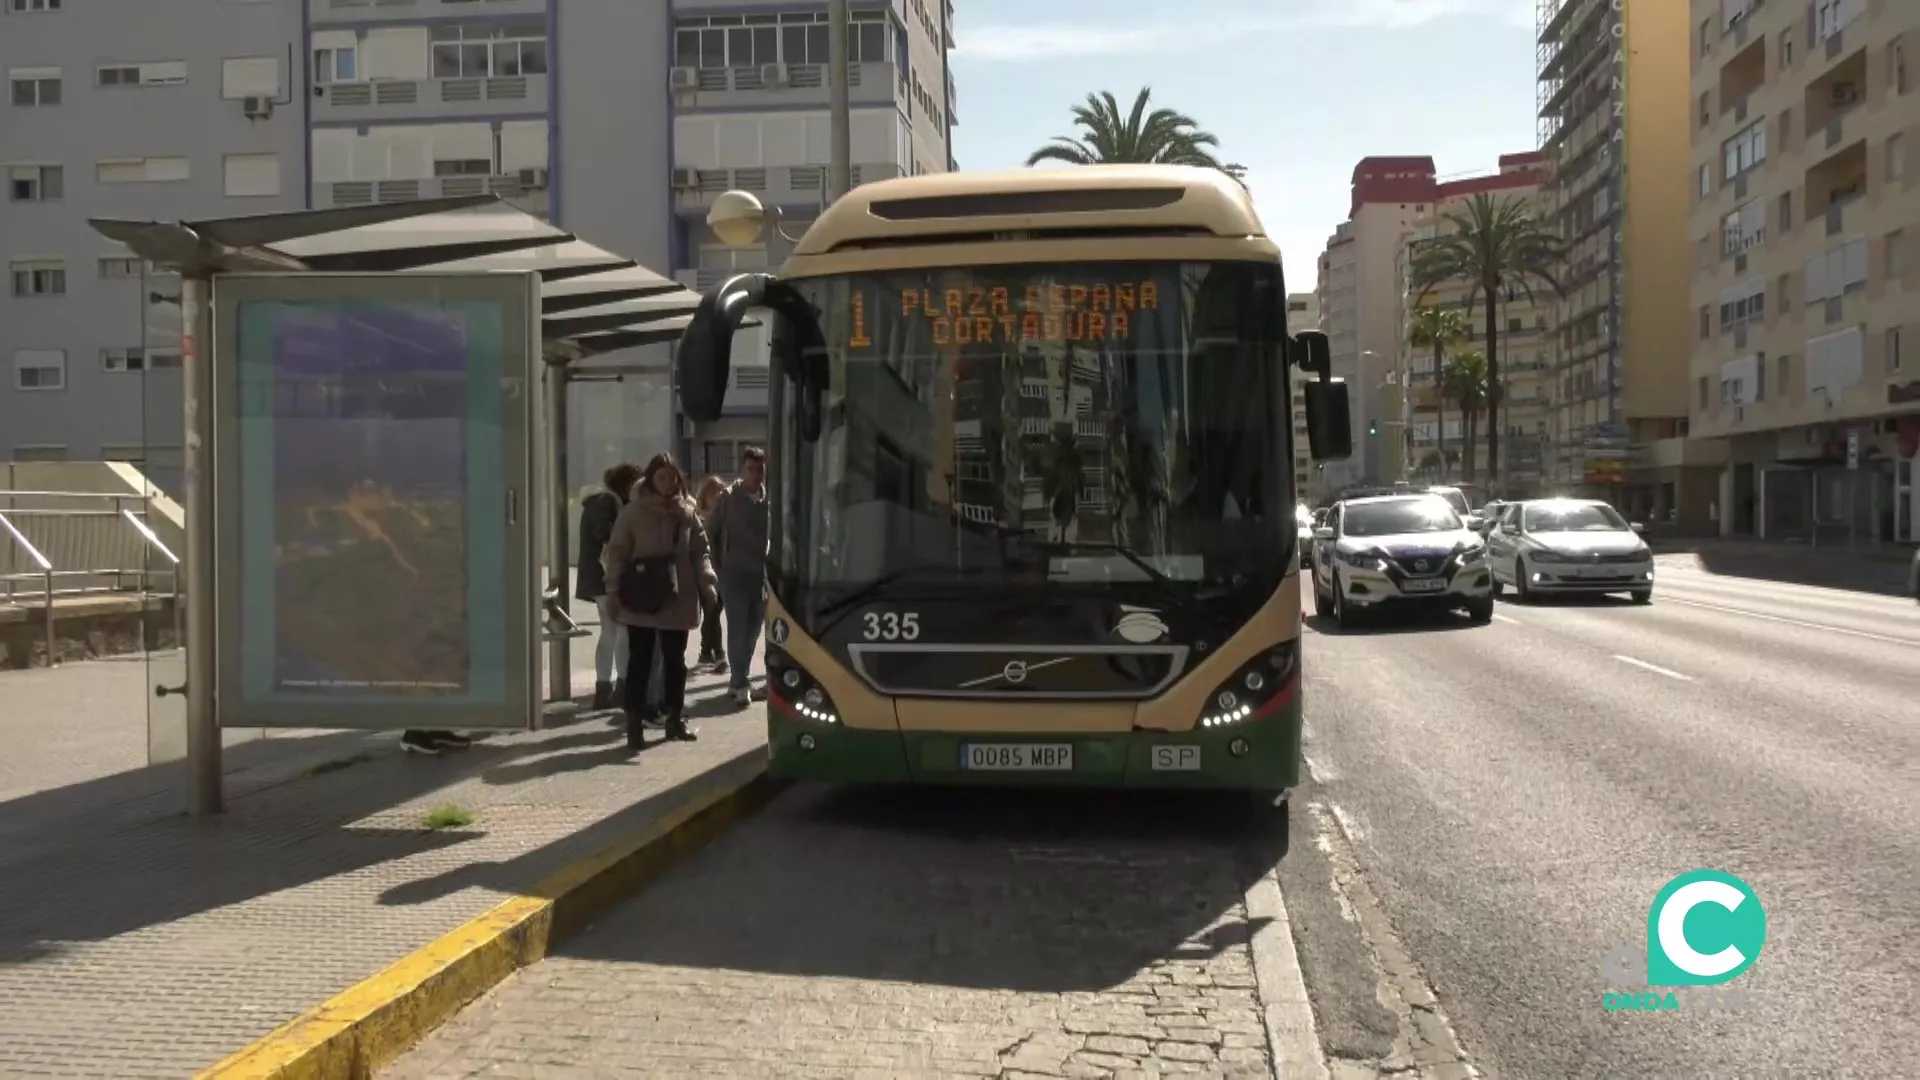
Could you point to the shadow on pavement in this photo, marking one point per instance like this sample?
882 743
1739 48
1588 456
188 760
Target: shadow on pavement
1049 892
94 860
1877 572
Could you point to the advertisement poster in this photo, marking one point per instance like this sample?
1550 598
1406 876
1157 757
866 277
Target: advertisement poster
372 509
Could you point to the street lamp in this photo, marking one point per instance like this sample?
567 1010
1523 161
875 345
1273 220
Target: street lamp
739 219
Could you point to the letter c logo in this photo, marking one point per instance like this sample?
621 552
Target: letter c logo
1729 915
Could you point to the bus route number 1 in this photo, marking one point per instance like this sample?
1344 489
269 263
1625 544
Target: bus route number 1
892 626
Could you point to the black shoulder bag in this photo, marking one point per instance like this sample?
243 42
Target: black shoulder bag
649 585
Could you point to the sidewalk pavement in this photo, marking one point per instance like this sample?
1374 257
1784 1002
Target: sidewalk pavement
1879 570
135 941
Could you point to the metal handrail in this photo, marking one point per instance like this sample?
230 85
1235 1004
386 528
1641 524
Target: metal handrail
47 573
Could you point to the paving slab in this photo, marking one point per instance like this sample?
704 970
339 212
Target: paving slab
136 941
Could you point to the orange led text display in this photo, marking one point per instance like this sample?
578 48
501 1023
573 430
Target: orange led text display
984 315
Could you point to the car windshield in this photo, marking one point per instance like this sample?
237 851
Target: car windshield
1574 517
1400 516
1041 424
1456 500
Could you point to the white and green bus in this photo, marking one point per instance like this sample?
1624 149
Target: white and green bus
1031 481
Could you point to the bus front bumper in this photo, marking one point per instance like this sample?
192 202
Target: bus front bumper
1262 754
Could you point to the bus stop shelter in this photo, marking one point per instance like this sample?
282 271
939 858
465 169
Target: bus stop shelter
591 302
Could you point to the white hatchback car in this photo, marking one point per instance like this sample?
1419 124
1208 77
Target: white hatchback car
1569 546
1399 551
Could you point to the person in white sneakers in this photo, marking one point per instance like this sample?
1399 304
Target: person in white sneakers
738 530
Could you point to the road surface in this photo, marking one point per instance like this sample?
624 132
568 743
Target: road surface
1517 793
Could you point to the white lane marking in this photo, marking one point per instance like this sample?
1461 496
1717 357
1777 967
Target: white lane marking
1497 617
1655 668
1909 642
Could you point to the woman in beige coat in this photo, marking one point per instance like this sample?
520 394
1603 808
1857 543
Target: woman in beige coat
658 521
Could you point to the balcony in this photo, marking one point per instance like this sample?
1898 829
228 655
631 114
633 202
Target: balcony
1831 97
429 99
1744 72
360 11
781 185
782 85
532 199
1835 184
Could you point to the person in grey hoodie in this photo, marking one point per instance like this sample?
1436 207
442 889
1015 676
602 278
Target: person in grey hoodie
738 529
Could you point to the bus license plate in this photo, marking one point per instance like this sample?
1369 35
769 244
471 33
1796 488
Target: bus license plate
1017 757
1424 585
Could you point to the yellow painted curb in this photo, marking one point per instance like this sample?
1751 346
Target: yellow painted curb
371 1024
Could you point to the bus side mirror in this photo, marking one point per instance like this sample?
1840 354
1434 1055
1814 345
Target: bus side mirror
1312 354
1329 427
702 362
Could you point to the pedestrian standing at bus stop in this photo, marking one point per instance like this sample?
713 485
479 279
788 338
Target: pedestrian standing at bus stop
713 652
659 577
598 512
739 530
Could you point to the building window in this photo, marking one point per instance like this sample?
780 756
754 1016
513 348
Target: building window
1706 322
1786 47
1893 349
39 452
336 65
1706 109
1897 64
251 176
134 359
1700 389
23 7
483 51
35 183
1896 157
157 170
119 267
34 87
1706 36
40 369
1786 210
39 277
1743 229
1706 180
723 41
1897 254
161 73
1746 150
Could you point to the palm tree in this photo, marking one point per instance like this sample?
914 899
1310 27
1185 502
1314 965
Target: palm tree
1058 463
1465 384
1496 246
1439 328
1140 137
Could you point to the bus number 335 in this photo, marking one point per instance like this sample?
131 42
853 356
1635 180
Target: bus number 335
892 626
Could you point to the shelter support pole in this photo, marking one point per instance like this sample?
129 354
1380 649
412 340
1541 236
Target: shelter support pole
559 556
197 344
840 119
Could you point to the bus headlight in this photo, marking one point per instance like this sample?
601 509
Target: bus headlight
1260 686
795 693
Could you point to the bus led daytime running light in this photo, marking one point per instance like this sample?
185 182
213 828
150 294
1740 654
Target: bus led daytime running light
1262 677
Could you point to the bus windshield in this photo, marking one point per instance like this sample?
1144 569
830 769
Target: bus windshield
1097 423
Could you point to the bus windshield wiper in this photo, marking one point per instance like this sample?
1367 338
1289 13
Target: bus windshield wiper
1172 587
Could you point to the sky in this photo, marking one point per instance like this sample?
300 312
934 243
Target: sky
1298 91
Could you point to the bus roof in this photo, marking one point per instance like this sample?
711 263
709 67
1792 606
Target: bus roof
1076 203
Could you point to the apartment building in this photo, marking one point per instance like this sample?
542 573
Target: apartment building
1435 422
1614 114
620 122
1303 313
126 114
1806 359
1360 298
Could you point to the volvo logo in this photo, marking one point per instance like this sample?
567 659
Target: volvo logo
1015 672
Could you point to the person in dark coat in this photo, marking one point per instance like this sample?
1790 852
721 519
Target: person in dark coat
598 512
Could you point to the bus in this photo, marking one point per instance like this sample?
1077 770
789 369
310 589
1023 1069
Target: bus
1031 483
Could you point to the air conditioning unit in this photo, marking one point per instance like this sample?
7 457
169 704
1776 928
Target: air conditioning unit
686 179
256 107
685 78
773 74
1845 93
533 179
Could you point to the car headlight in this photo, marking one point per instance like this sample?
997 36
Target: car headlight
1543 555
1260 686
1371 559
796 693
1473 553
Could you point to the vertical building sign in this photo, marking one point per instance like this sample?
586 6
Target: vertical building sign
1615 42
